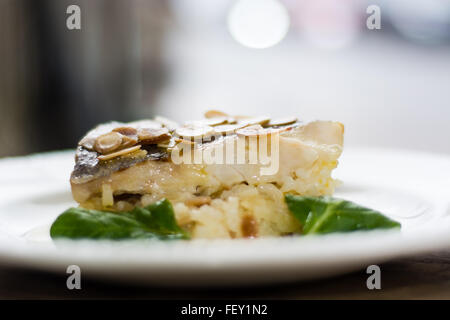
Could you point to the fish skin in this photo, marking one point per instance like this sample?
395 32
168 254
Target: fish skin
88 167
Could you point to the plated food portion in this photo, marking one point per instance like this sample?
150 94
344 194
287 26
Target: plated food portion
220 177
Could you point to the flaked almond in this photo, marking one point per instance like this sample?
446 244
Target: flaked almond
282 121
231 120
108 142
88 141
194 131
152 135
216 121
126 130
168 144
129 136
227 128
250 131
198 201
258 130
167 123
208 122
257 120
128 141
118 153
214 114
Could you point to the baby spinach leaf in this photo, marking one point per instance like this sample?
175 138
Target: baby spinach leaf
327 214
154 221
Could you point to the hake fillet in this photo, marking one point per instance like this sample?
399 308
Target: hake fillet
122 165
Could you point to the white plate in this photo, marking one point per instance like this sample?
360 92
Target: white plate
411 187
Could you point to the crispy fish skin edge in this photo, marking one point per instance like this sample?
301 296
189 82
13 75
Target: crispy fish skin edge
88 167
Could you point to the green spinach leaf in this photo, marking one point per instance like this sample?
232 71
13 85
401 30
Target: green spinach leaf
327 214
154 221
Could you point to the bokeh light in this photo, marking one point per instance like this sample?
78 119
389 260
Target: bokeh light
258 23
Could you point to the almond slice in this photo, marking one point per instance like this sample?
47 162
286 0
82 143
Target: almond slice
227 128
118 153
129 136
231 120
152 135
168 144
214 114
282 121
128 141
208 122
216 121
251 131
194 131
258 130
108 142
257 120
88 140
126 131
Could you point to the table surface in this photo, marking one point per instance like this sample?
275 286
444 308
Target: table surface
420 277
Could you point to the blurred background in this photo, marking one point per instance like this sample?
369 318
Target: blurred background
312 58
